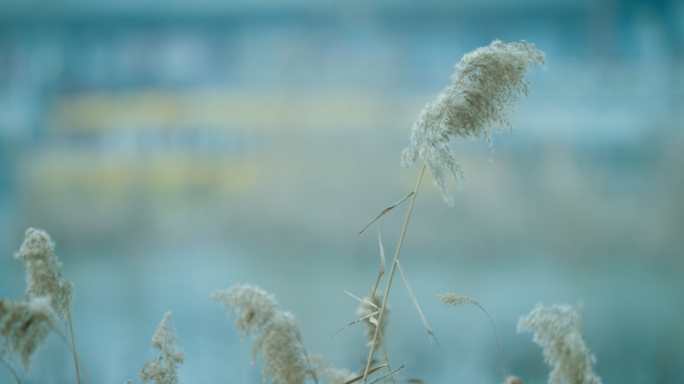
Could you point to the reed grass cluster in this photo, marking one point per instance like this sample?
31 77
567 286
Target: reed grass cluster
484 89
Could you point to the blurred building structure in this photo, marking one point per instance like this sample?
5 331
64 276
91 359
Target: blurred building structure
203 79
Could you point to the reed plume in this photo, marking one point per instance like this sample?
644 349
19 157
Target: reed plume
275 332
327 374
163 368
557 331
24 326
484 88
46 286
43 274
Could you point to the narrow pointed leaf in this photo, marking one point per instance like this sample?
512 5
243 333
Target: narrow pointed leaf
391 207
382 266
359 377
356 321
415 303
363 301
386 375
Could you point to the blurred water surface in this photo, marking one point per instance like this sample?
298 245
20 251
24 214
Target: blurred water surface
174 149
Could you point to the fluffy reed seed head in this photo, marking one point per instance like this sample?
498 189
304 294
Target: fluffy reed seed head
484 88
24 326
452 299
43 274
367 308
281 346
254 308
556 331
324 371
163 368
275 332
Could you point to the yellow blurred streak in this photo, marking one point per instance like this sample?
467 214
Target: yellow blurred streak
112 177
265 111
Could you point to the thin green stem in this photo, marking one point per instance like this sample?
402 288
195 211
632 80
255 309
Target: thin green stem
391 275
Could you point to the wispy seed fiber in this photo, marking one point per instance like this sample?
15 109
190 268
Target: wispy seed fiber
484 88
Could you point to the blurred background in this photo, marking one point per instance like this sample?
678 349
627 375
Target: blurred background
171 148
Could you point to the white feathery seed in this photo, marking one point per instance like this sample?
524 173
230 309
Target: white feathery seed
484 88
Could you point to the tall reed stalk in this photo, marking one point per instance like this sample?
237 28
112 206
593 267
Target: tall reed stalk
484 88
391 275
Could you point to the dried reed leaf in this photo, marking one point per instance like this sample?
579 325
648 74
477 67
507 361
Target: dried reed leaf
372 370
383 264
362 301
386 375
415 302
391 207
356 321
580 315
